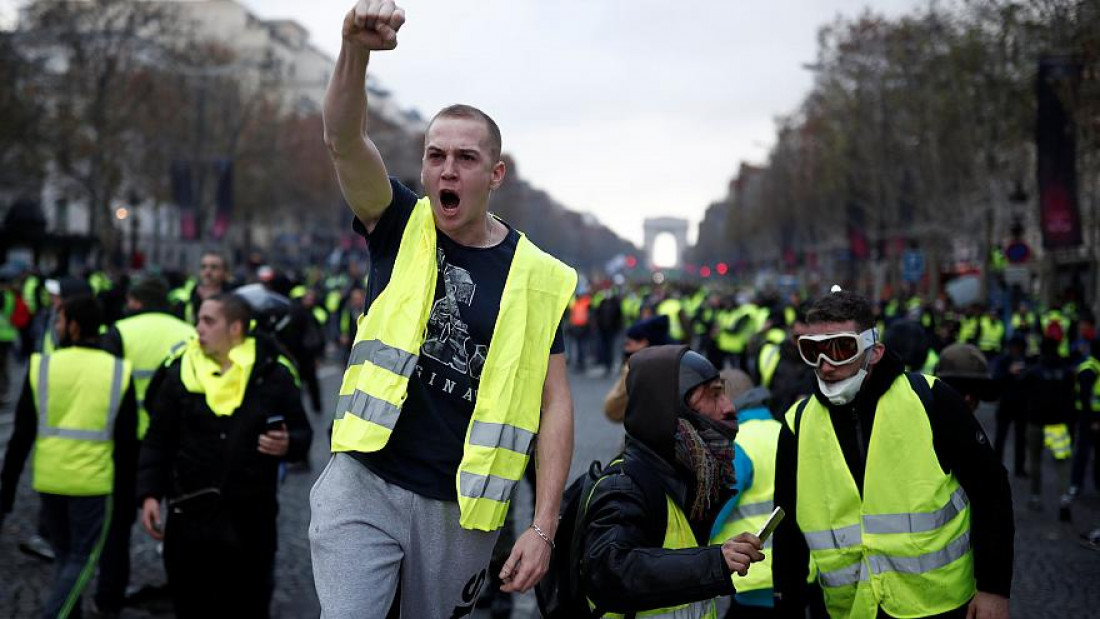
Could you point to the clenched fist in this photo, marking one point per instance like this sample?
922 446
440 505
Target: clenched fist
373 24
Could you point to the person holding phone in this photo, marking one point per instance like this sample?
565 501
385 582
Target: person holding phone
225 411
891 487
647 521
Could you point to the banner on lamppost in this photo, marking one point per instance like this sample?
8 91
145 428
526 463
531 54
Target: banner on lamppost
223 199
1056 149
183 194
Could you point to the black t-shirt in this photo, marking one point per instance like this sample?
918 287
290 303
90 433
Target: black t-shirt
425 449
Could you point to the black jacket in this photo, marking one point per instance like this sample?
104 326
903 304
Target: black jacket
188 448
623 566
961 448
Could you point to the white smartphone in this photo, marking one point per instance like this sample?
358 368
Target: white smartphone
769 526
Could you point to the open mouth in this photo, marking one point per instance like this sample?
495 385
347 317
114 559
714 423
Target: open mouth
449 200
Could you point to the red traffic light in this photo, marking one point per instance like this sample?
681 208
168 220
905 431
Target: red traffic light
705 271
722 268
631 261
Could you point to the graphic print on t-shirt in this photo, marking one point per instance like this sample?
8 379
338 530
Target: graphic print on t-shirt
448 336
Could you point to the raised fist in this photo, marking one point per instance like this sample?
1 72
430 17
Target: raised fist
373 24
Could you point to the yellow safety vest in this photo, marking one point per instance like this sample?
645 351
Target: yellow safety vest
991 332
759 438
147 340
904 550
507 412
768 359
930 363
77 394
1090 364
678 535
672 309
8 332
968 329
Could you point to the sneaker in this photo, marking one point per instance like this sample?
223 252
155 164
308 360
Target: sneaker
37 547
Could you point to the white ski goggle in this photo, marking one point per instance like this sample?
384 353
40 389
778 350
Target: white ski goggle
836 348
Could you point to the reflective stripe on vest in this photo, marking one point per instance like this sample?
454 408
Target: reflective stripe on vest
909 554
759 439
507 410
678 535
147 340
77 394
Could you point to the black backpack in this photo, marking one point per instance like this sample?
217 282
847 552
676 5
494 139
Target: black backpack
560 594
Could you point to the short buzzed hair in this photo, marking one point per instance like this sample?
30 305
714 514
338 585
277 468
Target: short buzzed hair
461 110
842 306
234 309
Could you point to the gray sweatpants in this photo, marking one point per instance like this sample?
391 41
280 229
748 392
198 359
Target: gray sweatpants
365 535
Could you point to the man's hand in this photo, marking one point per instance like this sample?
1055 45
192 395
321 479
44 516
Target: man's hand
987 606
528 563
741 551
373 24
274 442
150 518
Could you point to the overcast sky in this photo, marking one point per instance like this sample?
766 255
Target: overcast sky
623 108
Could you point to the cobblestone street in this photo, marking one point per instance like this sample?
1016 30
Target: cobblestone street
1055 574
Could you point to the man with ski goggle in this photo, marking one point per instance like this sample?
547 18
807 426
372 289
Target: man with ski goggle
890 485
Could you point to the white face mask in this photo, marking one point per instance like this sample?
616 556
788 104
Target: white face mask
843 391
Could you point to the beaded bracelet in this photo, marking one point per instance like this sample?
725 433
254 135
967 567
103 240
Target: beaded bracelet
544 536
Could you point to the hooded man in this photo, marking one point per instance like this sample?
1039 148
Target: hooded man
889 484
646 526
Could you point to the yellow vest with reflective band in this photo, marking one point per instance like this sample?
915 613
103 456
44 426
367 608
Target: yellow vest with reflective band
905 546
990 333
1092 364
506 414
678 535
759 438
147 340
672 309
77 394
768 359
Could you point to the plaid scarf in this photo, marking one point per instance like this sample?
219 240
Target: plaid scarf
709 455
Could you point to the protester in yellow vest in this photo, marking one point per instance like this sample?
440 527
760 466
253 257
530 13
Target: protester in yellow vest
1087 398
749 508
890 485
225 411
213 280
78 411
456 367
144 338
645 530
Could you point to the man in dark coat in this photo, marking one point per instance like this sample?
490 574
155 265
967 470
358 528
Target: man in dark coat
646 526
224 412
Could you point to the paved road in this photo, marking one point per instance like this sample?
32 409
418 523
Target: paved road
1055 575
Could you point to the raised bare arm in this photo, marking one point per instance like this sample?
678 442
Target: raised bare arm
371 25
